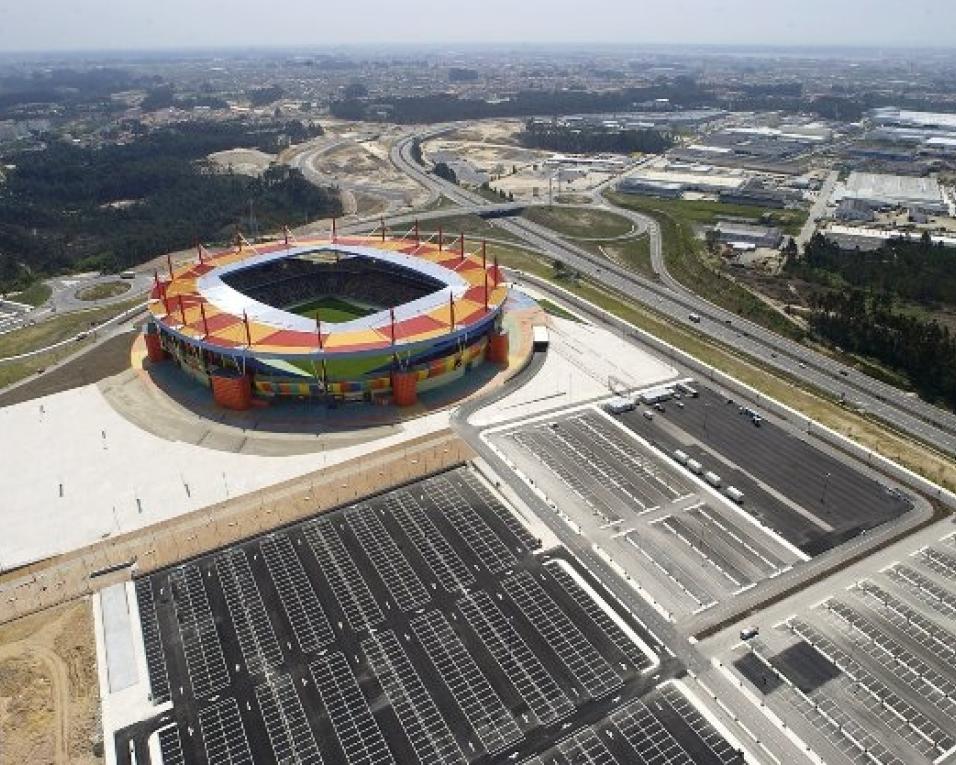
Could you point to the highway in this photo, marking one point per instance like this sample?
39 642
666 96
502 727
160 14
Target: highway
305 159
902 411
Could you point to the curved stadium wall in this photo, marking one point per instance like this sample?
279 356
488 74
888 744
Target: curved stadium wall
226 319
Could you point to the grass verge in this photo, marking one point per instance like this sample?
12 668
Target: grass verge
556 310
103 290
579 222
472 226
58 328
688 263
36 294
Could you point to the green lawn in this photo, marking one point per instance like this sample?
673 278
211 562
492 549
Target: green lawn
58 327
705 213
474 227
103 290
332 310
36 294
634 252
556 310
579 222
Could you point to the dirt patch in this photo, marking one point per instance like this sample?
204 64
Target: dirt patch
243 161
490 131
49 697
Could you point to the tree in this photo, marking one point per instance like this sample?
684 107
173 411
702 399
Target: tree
442 170
355 90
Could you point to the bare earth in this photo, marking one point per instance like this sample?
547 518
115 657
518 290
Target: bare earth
243 161
49 698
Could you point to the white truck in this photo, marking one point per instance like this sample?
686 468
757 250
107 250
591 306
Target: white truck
712 478
619 404
735 494
695 467
681 456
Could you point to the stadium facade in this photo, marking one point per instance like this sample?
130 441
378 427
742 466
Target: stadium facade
406 316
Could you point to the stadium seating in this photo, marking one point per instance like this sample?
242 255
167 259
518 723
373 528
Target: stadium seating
293 281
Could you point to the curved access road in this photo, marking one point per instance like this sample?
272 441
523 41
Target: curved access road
903 412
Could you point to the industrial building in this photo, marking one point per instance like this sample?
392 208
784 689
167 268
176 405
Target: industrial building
867 238
755 192
882 191
746 236
664 189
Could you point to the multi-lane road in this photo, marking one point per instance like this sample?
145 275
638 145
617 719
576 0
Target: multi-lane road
902 411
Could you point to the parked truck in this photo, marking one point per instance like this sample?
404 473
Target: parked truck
681 456
712 478
695 467
735 494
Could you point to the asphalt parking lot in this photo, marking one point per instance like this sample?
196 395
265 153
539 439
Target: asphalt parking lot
421 625
688 550
868 674
811 498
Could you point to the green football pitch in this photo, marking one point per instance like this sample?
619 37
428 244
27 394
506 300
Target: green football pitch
332 310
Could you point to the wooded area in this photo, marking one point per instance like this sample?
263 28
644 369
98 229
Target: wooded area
581 140
867 324
912 270
112 207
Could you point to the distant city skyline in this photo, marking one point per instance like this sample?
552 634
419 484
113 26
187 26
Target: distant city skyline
101 25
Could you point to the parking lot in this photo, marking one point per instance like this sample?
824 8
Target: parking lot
811 498
421 625
688 549
10 318
868 674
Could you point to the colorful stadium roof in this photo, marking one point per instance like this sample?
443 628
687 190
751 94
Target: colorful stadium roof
198 306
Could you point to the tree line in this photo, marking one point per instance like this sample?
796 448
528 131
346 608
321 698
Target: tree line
112 207
866 323
581 140
915 270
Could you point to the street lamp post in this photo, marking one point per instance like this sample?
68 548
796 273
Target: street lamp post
826 483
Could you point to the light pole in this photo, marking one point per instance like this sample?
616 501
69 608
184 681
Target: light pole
826 483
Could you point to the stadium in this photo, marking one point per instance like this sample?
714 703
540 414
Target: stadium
346 319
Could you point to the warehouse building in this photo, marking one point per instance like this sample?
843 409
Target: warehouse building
746 236
881 191
665 189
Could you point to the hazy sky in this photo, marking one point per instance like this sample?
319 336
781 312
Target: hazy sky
150 24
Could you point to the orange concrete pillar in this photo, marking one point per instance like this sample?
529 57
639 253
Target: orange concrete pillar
154 348
498 347
232 391
404 388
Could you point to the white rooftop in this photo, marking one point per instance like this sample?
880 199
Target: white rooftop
892 189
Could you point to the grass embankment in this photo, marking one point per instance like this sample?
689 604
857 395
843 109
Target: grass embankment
687 261
633 253
579 222
870 433
103 290
36 294
555 310
472 226
56 329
